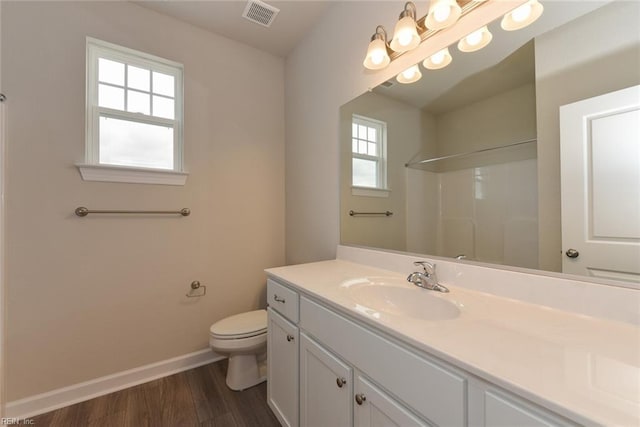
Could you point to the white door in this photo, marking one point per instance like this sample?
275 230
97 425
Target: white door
375 408
600 156
282 369
326 387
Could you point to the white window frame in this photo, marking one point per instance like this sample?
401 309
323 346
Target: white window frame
381 189
92 169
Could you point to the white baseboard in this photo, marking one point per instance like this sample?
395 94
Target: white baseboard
45 402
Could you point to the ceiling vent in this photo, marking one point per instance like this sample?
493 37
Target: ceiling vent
260 13
387 84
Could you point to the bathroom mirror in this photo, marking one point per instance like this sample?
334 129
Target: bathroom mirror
472 151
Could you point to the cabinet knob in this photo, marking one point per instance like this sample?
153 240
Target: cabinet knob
290 338
360 398
278 299
572 253
341 381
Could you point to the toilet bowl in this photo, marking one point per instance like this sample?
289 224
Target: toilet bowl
242 337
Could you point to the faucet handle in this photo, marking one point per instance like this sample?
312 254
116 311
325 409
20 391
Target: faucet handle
428 267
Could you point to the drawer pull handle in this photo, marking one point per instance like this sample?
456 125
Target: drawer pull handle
278 299
290 338
360 398
341 381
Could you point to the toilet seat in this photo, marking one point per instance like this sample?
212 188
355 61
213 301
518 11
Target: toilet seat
239 326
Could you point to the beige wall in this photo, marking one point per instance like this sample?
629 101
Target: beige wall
593 55
403 141
501 119
93 296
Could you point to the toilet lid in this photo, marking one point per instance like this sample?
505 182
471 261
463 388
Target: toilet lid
241 325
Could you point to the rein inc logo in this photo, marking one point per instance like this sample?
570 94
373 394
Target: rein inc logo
16 421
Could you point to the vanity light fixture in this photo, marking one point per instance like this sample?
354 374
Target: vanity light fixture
377 55
410 75
438 60
405 34
475 40
522 16
410 32
442 14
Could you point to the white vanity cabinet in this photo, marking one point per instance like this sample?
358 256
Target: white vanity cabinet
333 370
282 354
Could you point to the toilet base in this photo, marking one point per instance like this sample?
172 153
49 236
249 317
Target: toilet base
245 371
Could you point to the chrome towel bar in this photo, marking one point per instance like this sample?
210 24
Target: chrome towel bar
385 213
82 211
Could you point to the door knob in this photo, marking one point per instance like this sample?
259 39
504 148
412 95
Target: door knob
572 253
360 398
290 338
341 381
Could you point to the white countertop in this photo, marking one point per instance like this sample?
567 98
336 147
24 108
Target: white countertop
584 368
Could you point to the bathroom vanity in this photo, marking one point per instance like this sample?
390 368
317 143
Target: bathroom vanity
350 344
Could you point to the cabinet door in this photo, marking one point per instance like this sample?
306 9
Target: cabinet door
375 408
326 387
282 369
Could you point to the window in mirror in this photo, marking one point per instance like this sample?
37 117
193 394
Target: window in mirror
369 166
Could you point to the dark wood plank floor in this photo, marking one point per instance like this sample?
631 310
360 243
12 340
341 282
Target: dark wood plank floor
198 397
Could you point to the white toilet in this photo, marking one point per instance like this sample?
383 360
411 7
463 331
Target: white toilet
242 337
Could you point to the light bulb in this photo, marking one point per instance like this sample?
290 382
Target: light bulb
410 75
377 56
521 16
474 38
522 13
437 58
404 38
441 12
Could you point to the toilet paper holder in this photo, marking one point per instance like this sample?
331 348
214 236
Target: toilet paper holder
195 285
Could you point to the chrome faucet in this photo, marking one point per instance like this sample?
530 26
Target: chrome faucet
426 279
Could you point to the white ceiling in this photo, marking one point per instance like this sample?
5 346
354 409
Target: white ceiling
290 26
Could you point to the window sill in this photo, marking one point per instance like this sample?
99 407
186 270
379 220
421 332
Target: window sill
131 175
370 192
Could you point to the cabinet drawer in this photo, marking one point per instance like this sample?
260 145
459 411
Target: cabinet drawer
283 300
501 410
432 391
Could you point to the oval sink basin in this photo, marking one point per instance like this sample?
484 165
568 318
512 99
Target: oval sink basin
401 300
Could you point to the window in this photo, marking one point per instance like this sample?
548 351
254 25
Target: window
369 152
134 116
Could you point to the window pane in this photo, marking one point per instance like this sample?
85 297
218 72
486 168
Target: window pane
110 72
138 78
163 107
110 97
163 84
362 147
362 132
364 173
354 145
354 130
372 149
372 134
138 102
129 143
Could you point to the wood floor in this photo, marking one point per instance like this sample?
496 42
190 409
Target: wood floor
198 397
